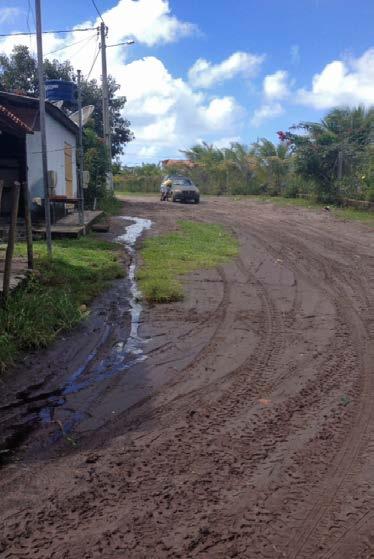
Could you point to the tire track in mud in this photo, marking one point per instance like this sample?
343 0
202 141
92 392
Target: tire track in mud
228 442
356 440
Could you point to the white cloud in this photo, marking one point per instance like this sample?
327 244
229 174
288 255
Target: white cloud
9 14
226 142
148 21
270 110
204 74
342 83
276 85
275 88
166 112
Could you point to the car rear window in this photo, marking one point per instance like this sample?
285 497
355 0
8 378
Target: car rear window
181 182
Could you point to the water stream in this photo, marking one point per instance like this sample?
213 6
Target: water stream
133 345
124 353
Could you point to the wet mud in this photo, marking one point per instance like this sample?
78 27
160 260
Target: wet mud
245 428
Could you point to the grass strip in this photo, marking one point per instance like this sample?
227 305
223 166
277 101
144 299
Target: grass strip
53 300
350 214
168 257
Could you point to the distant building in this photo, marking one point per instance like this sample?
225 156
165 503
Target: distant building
179 163
62 136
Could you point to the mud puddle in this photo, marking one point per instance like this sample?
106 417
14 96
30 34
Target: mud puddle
62 409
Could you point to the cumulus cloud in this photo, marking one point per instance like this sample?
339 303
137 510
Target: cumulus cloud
9 14
275 85
275 88
204 74
342 83
166 112
149 22
265 112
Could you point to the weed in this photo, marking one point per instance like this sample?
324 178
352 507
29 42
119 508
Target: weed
167 257
52 300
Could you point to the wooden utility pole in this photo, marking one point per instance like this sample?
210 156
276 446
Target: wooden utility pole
106 118
39 44
81 159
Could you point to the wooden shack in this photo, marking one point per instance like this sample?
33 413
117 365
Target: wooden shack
14 198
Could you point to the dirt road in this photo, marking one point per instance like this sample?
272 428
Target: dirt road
249 429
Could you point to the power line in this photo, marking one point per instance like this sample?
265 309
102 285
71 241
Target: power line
71 44
93 63
79 50
28 16
49 32
98 11
29 10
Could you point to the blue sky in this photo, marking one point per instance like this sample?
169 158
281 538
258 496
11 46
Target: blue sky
218 70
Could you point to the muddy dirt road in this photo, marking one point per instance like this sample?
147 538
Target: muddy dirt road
247 432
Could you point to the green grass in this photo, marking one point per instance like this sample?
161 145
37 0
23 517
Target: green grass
365 216
110 205
168 257
355 215
122 193
54 299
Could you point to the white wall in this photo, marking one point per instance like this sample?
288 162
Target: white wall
57 135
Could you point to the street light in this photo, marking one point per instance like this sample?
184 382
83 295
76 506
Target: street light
130 42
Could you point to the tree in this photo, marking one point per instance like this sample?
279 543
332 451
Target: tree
92 95
240 158
18 72
274 161
95 161
341 144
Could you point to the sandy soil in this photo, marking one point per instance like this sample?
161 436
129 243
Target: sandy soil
249 430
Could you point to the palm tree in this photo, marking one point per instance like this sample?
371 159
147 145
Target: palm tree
338 151
274 160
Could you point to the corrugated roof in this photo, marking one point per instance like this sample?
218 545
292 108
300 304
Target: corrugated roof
14 120
28 109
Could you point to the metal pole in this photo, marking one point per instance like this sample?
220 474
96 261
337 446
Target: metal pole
106 120
39 43
80 152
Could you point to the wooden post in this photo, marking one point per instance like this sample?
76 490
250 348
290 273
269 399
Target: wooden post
11 239
1 191
28 224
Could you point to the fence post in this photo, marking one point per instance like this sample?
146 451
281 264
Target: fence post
11 239
28 224
1 191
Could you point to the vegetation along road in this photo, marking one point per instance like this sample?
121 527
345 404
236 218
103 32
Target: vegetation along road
248 429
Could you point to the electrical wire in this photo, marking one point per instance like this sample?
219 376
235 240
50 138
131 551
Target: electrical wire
25 33
72 44
98 11
93 63
79 50
29 9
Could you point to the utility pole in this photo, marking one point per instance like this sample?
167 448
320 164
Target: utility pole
106 119
39 43
80 153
